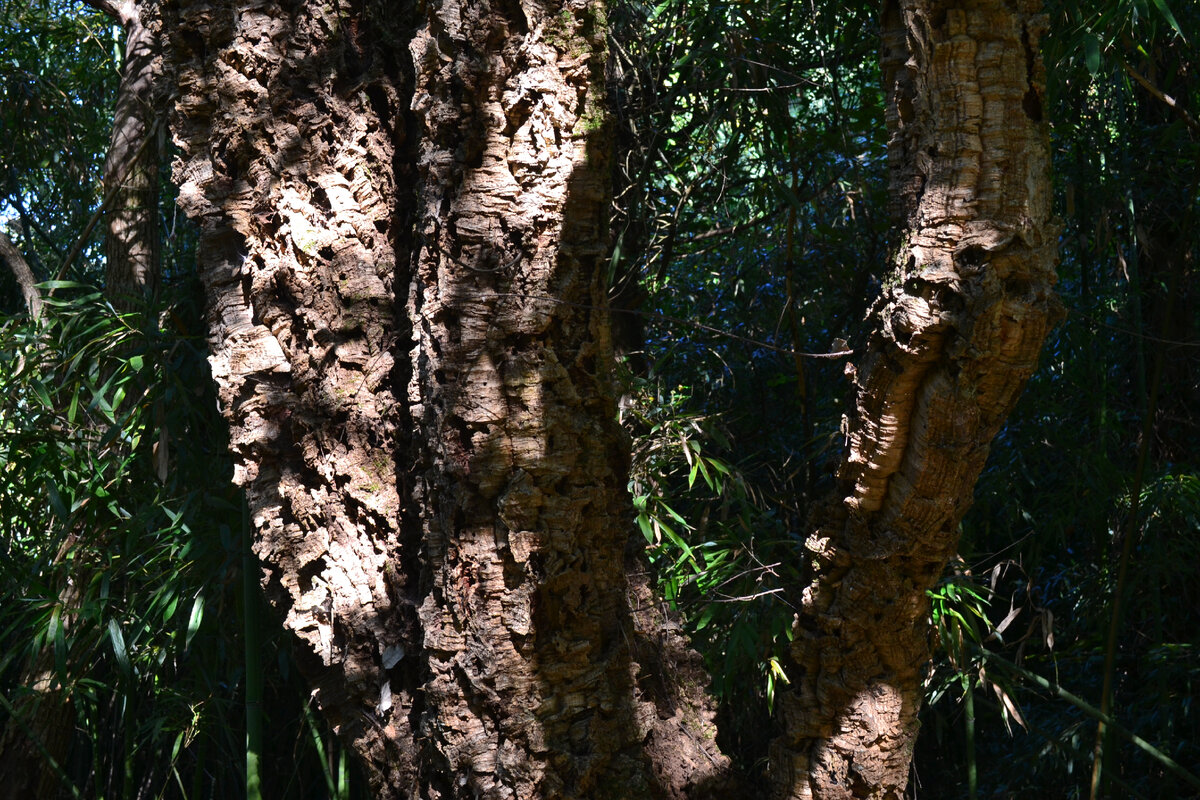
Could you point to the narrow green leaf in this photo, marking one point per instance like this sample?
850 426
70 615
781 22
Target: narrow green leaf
39 390
56 502
704 473
55 635
1169 17
177 746
118 645
643 522
675 515
197 616
319 745
1092 53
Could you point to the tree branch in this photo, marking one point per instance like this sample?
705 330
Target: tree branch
23 275
738 228
31 223
122 12
1158 94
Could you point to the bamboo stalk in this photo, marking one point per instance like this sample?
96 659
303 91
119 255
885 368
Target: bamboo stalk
1112 725
254 673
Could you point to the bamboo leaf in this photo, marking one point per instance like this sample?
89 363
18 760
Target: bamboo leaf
1009 706
1169 17
43 396
118 645
643 522
708 479
1091 46
194 620
54 634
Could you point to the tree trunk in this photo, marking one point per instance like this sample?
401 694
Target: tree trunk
956 336
409 335
132 247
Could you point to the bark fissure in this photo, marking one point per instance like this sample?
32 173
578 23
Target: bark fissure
957 335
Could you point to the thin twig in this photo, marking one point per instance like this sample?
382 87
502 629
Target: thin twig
745 597
738 228
1129 331
677 321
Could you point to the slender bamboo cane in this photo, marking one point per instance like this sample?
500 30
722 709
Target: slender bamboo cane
254 673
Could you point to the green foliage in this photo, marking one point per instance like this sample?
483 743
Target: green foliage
1056 494
751 188
1097 32
1063 641
111 546
750 198
58 79
122 533
122 550
966 641
959 612
719 566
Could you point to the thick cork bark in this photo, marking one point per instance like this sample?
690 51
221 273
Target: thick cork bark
289 125
404 220
517 478
956 336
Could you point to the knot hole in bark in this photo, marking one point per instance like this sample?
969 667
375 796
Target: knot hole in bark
308 573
